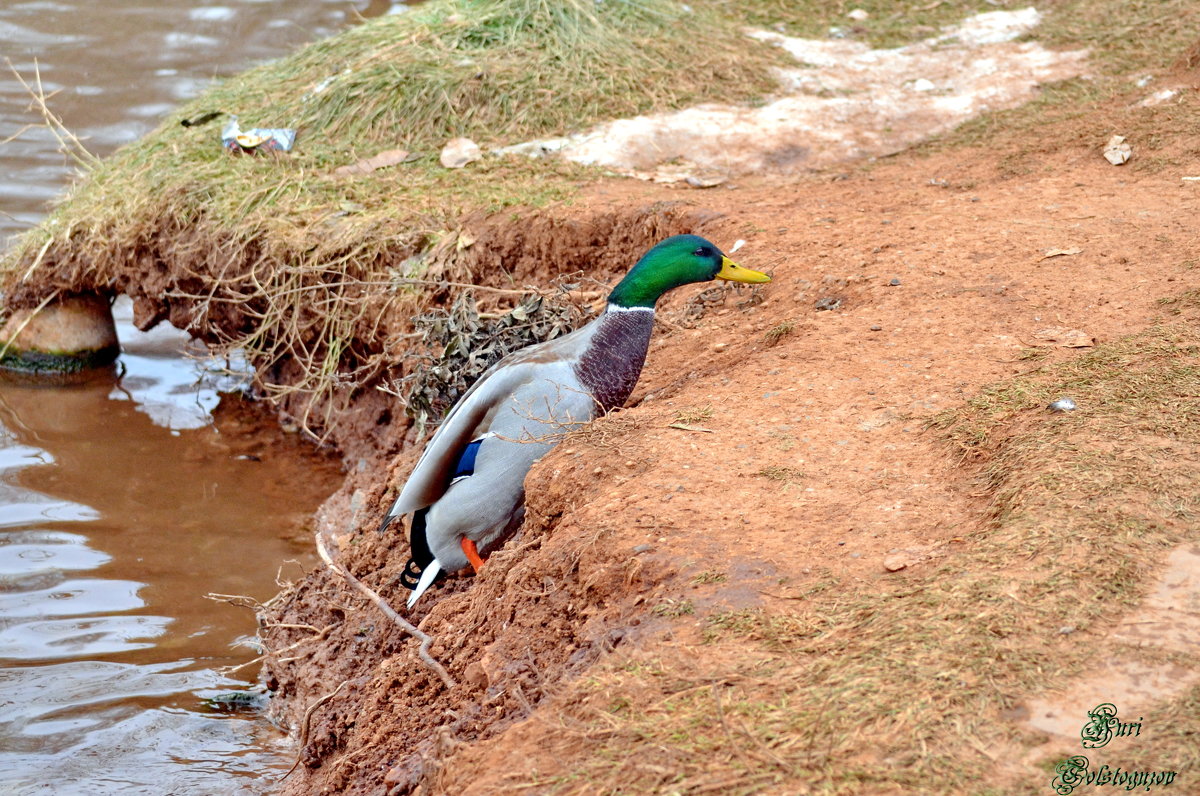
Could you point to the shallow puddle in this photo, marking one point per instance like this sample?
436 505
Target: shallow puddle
122 504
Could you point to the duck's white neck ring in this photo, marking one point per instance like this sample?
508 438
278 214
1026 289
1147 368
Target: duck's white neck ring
618 308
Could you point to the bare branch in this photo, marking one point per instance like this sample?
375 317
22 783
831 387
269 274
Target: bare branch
389 612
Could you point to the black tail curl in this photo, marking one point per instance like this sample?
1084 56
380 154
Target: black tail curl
422 556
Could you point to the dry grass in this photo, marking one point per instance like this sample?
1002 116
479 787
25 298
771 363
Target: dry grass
776 333
690 415
902 684
889 24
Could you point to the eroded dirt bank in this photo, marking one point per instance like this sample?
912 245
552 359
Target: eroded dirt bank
899 291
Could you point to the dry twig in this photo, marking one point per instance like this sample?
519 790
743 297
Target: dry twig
303 735
389 612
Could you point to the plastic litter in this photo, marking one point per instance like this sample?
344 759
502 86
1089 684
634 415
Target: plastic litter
257 140
1116 151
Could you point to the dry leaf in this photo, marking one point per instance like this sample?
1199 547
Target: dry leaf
1059 253
390 157
465 241
458 152
686 427
1063 337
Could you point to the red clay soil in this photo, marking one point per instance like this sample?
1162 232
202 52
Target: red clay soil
934 275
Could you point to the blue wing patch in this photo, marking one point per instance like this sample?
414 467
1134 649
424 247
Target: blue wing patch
466 462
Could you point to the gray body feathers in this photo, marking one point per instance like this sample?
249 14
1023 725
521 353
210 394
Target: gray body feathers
520 408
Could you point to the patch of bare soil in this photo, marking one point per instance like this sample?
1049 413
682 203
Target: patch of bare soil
899 290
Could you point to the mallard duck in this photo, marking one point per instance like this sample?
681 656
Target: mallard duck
467 491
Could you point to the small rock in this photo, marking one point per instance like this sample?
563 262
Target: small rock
475 676
458 152
876 328
720 346
643 548
396 775
701 181
1062 405
858 15
1067 630
828 303
1159 97
894 283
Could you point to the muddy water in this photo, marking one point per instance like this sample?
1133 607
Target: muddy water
123 502
114 67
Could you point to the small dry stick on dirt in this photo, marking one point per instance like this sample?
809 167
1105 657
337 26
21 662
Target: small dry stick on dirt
238 600
303 739
381 604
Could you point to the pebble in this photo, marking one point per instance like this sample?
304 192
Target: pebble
877 328
1062 405
901 560
894 283
720 346
642 548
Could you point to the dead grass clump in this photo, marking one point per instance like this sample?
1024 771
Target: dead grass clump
694 414
778 332
784 475
463 343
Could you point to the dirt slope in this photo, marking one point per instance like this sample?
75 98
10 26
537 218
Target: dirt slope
645 543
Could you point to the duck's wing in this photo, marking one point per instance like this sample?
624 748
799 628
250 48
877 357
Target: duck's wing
468 421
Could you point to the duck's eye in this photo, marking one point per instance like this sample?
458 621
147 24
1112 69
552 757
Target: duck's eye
703 251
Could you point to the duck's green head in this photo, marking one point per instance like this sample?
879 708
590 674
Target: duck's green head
679 260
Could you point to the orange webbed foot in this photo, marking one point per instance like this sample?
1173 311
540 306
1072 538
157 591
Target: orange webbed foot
468 547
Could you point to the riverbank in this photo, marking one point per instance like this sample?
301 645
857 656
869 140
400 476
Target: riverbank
914 553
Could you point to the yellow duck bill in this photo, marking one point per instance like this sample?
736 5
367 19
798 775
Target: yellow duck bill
735 273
